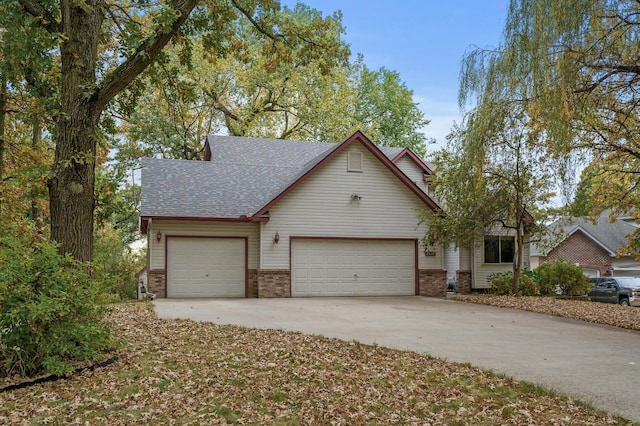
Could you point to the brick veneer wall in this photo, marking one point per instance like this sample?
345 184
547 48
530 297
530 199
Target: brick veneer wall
157 283
252 277
463 279
433 282
579 248
274 283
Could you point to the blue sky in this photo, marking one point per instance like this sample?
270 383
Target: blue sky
424 41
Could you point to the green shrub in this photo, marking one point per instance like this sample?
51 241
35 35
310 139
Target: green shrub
114 265
50 310
562 277
502 284
546 284
528 286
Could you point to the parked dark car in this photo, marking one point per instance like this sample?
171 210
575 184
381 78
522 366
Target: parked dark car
621 290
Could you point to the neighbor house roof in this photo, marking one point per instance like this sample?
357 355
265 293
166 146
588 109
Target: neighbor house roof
610 236
242 177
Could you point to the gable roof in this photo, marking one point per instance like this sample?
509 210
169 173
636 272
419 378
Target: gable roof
609 236
327 156
408 153
243 179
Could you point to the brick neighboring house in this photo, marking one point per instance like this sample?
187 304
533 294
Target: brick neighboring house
593 246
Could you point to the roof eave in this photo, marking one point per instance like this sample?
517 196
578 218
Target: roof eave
419 162
144 220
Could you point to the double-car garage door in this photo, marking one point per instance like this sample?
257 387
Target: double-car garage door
342 267
216 267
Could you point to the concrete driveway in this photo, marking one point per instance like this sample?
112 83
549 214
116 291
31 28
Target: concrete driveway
596 364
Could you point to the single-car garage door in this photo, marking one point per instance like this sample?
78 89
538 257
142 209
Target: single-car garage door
337 267
206 267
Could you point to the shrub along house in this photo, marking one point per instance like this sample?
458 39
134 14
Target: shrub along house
279 218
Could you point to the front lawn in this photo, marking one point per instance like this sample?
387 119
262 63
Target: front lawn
185 372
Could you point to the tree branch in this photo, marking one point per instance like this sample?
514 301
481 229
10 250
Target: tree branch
255 23
122 76
45 17
219 106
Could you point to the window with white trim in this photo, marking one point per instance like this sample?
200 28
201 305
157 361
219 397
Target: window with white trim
499 249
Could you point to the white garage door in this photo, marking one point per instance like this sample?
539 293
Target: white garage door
352 268
205 267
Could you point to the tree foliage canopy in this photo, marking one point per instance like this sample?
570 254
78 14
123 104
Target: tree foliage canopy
574 69
246 93
490 180
174 72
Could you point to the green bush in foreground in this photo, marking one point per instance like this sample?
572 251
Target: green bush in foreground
50 310
502 284
562 277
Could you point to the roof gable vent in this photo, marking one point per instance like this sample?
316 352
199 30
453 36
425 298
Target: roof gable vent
354 161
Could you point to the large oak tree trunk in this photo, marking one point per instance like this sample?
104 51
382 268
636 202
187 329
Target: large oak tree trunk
72 177
82 99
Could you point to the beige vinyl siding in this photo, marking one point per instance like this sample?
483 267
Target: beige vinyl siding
465 258
321 206
534 262
483 270
206 229
413 172
452 261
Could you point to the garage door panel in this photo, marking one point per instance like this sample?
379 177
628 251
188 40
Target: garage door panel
206 267
352 267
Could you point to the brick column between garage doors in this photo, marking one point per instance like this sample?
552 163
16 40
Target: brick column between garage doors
463 279
433 282
157 283
252 279
274 283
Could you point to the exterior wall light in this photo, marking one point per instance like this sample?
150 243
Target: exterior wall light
276 238
158 236
356 197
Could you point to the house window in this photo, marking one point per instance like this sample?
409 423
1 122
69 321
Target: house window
499 249
354 161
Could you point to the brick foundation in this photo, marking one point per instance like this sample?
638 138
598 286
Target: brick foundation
433 282
274 283
463 279
252 279
157 283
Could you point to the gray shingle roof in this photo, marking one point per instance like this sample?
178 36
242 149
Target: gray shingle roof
266 152
182 188
244 174
610 236
391 151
